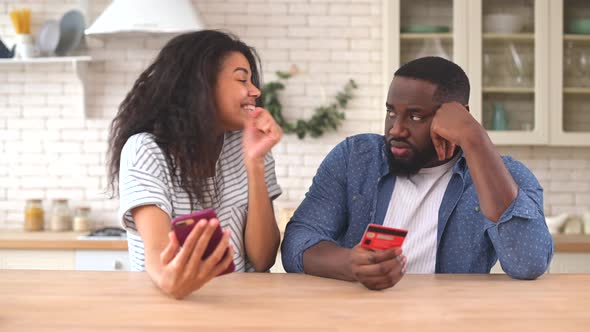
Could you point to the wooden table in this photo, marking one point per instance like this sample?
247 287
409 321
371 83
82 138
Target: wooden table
127 301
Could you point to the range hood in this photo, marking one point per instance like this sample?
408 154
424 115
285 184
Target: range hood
146 17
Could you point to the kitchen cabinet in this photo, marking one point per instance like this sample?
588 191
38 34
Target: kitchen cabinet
61 251
102 260
569 59
567 262
529 73
83 259
37 259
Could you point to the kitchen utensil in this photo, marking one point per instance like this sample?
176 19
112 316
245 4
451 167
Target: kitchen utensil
423 28
21 21
5 52
503 23
555 223
499 121
586 220
573 226
520 67
24 47
48 37
579 26
432 47
71 28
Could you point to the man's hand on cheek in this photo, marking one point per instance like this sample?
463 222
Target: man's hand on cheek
451 126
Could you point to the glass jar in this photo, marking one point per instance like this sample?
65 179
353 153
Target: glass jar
34 215
82 222
61 217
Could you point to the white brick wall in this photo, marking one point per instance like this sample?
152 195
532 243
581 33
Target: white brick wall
49 149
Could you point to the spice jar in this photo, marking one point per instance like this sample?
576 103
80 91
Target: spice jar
61 217
82 222
34 215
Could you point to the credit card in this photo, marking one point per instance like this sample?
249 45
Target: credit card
378 237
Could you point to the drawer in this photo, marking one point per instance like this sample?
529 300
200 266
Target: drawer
102 260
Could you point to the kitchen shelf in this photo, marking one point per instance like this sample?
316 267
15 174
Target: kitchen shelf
574 90
79 65
509 36
57 59
574 37
501 89
422 36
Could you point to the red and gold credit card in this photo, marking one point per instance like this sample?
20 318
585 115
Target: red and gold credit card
380 237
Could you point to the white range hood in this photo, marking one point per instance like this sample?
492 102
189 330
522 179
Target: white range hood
147 16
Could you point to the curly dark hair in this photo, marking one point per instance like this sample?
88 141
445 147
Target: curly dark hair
173 99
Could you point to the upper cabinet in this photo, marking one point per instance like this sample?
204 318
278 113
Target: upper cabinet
570 72
528 61
508 46
417 28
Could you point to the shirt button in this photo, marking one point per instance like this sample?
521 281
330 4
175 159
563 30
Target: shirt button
477 209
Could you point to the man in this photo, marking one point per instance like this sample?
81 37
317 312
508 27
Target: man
436 174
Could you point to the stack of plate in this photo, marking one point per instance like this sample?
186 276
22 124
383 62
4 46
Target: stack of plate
423 28
579 26
61 38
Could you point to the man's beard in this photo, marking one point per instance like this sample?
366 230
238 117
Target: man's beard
407 167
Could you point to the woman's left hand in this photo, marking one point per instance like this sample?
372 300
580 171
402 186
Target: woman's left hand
261 133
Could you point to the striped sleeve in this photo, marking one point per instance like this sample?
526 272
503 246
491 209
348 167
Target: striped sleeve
142 178
270 177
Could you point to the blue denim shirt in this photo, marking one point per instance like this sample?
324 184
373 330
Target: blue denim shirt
353 187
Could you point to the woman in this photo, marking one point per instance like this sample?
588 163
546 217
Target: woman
188 137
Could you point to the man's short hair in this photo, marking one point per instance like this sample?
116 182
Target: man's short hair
451 81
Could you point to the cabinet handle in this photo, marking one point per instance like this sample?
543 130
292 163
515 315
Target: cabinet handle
118 265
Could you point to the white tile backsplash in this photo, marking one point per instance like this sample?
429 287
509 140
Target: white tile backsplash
50 149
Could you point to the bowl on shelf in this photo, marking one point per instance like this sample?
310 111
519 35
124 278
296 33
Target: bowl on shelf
424 28
579 26
503 23
71 32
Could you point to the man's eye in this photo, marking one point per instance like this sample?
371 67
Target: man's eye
416 118
243 81
390 113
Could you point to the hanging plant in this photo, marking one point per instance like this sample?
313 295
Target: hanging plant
324 118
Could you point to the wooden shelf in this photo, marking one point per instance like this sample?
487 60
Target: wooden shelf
576 90
421 36
501 89
64 59
575 37
509 36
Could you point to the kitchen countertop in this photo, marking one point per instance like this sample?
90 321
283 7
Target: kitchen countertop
69 240
56 241
128 301
571 243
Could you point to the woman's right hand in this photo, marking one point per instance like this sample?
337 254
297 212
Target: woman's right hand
183 269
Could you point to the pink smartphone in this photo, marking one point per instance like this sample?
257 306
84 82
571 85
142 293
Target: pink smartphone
183 226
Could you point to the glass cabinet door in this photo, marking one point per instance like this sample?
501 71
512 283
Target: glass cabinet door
417 28
426 29
508 69
570 57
